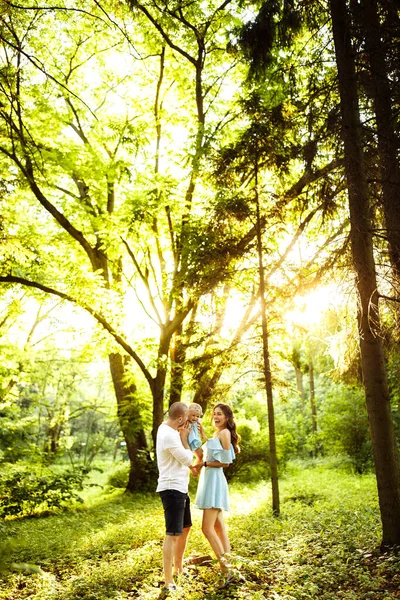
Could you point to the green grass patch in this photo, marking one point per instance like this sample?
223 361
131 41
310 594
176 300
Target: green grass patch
324 546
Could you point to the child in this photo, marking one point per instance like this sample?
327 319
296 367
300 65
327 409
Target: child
196 434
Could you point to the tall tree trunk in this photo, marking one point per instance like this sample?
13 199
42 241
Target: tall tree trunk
158 383
177 355
374 373
300 387
385 125
313 405
157 389
296 361
267 366
387 139
312 396
131 424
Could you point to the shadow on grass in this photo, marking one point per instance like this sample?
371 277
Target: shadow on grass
113 523
323 547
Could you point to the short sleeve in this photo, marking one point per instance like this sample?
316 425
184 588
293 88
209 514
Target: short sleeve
218 453
223 456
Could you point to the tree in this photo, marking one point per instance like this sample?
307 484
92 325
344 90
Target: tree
374 375
121 219
283 24
378 33
266 355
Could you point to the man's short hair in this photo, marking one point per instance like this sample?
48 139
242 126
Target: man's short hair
177 409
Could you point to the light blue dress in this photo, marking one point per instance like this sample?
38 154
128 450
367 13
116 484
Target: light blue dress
194 439
212 491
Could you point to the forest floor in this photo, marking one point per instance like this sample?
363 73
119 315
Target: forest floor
324 546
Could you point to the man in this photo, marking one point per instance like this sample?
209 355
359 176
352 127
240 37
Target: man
174 459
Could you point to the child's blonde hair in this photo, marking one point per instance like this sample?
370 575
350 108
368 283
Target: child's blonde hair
195 406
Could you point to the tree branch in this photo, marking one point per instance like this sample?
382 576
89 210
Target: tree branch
144 279
41 68
99 318
390 298
311 176
165 36
77 235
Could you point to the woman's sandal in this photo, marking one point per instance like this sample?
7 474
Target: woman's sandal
166 590
225 563
233 576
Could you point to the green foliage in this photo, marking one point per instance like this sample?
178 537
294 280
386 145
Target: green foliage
118 476
252 462
24 491
344 425
146 466
51 402
323 547
17 433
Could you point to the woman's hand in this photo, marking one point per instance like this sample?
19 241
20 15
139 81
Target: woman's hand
196 468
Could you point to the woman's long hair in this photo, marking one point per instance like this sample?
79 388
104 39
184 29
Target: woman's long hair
230 424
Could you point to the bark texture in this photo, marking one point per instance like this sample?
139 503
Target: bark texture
142 469
374 373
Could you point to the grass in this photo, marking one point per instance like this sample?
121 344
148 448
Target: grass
324 546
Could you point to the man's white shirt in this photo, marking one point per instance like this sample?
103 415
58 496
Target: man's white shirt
173 460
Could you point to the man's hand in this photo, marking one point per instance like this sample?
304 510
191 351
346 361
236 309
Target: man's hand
184 433
196 469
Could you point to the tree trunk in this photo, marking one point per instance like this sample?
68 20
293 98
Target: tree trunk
131 424
158 384
387 138
267 367
374 373
177 355
385 126
300 387
312 396
158 405
313 406
53 439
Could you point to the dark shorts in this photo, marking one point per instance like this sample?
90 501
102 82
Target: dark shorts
176 511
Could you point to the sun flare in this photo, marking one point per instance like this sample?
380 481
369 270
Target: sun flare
309 309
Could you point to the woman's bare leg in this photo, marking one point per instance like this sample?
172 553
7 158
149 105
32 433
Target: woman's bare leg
221 532
210 516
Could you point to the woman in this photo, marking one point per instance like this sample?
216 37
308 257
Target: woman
212 491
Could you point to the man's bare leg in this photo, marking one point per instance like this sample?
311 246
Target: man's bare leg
180 551
169 549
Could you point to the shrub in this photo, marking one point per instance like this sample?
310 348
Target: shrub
146 474
252 462
344 426
25 492
118 477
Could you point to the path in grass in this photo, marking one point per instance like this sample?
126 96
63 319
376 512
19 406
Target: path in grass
323 547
